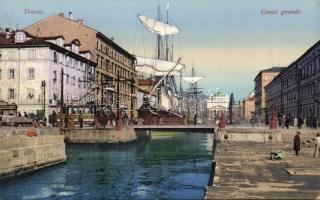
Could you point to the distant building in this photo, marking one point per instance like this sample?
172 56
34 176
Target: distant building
295 92
112 60
27 61
216 104
263 78
248 107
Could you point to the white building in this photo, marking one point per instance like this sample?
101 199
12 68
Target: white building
216 104
26 61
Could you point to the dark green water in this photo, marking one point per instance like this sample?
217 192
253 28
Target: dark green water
170 166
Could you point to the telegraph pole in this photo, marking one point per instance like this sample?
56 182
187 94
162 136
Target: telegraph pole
119 120
102 85
43 85
61 102
131 102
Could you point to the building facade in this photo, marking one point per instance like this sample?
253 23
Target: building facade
295 92
30 72
263 78
216 104
116 77
248 107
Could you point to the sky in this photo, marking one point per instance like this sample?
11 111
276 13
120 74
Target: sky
227 41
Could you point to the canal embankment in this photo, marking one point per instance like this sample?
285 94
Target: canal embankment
21 154
243 169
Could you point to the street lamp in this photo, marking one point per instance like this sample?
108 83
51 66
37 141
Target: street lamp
43 87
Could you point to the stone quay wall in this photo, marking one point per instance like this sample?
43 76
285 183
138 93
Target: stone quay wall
110 136
262 135
21 154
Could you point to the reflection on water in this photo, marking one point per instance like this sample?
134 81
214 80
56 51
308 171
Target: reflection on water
170 166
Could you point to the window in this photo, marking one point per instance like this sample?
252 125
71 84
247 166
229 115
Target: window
79 83
55 57
0 54
67 78
20 37
0 73
12 94
73 80
11 73
31 73
32 54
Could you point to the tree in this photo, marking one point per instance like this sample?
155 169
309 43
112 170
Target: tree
231 103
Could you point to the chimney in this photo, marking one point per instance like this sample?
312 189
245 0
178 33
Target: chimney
112 39
80 21
61 14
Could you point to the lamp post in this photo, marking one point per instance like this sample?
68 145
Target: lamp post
119 118
43 86
131 101
61 101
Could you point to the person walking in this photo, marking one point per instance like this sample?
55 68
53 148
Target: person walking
287 122
305 122
296 143
80 119
300 122
314 122
295 122
317 146
195 119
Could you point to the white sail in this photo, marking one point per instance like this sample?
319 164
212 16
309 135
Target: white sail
158 27
156 67
193 79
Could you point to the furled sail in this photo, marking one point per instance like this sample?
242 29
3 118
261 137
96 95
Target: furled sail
158 27
193 80
156 67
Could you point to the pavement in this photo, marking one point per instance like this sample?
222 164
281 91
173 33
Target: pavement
244 171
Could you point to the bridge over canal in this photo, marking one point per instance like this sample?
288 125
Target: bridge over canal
176 128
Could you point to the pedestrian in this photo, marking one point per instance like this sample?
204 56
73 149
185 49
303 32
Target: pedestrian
279 120
287 122
66 120
54 118
125 120
296 143
295 122
317 146
314 122
195 119
80 119
283 121
300 122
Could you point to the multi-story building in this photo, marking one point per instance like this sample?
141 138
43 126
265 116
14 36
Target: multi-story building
263 78
295 92
113 62
216 104
246 108
30 72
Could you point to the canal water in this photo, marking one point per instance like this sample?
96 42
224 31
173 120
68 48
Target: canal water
169 166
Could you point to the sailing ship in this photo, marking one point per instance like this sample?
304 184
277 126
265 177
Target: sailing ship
160 71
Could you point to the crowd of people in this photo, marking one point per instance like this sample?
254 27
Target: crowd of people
101 119
285 121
